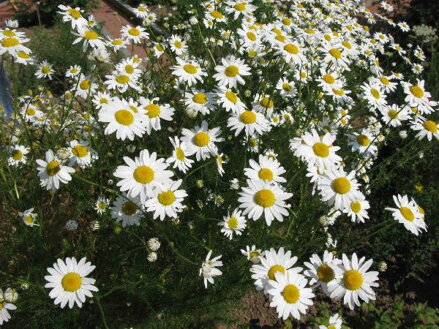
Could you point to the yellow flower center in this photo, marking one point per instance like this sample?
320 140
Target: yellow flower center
30 111
264 198
254 254
393 114
123 79
417 91
159 47
375 93
143 174
341 185
45 69
71 282
356 206
286 21
338 92
332 327
328 79
216 14
178 44
129 208
29 219
134 32
232 71
251 36
240 6
431 126
8 33
17 155
320 149
286 87
179 154
189 68
117 42
347 44
201 139
273 270
292 49
200 98
352 280
267 103
325 273
231 96
335 53
265 174
129 69
407 214
363 140
232 223
1 306
53 168
384 81
84 85
80 151
74 13
124 117
153 110
291 293
90 35
166 198
23 55
248 117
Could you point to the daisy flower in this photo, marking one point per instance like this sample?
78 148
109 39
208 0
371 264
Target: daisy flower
229 100
44 70
166 200
17 155
394 115
338 188
209 268
69 283
335 322
357 210
230 73
353 281
315 149
142 175
362 142
407 212
418 97
321 270
126 210
290 295
252 254
272 262
292 53
121 81
81 154
73 71
180 155
199 101
240 8
178 46
268 169
29 217
188 71
251 122
374 96
134 34
233 224
90 37
5 307
155 112
101 205
425 128
202 140
262 198
122 120
72 15
52 172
